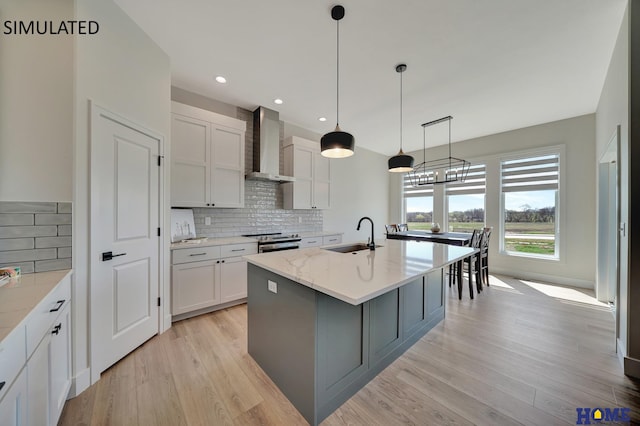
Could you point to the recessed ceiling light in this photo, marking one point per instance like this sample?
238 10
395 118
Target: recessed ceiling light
277 101
322 119
221 79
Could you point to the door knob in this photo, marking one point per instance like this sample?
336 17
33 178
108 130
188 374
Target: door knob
108 255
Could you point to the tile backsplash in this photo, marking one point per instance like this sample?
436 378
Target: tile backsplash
35 235
262 212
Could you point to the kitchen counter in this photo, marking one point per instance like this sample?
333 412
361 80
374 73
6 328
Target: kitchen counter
361 276
322 324
21 295
318 234
214 242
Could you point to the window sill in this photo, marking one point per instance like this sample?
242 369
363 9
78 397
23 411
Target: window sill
530 256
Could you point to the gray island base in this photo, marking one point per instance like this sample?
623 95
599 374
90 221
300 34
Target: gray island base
322 324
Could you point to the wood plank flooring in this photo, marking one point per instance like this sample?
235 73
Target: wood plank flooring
513 355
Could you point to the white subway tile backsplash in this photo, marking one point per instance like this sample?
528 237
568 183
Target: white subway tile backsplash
53 219
35 236
263 212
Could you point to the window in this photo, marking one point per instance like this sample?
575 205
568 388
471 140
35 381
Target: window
418 205
530 205
465 201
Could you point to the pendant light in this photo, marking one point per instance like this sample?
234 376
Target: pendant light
337 144
401 162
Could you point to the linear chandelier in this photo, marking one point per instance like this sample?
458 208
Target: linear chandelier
442 170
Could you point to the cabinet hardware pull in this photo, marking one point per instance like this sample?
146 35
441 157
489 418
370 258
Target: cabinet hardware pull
197 254
56 329
2 385
312 242
237 250
57 308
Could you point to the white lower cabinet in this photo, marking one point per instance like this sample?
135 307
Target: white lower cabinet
13 406
331 239
310 242
40 354
208 276
49 373
194 286
233 279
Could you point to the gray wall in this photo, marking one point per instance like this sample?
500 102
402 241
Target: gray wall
613 110
123 70
577 204
36 106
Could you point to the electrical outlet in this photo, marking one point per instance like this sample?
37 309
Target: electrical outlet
207 220
273 286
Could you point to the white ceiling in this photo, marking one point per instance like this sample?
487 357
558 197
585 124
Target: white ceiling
494 65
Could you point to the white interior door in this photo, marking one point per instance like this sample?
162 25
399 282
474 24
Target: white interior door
124 277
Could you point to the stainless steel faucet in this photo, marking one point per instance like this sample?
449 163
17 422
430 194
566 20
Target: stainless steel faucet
371 244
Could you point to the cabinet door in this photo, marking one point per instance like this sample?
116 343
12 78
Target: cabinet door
310 242
38 384
60 362
233 279
303 172
321 182
13 407
227 172
331 239
194 286
190 157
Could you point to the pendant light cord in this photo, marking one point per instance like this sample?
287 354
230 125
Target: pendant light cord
401 112
337 73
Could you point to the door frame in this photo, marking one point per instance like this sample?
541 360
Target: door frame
610 155
95 113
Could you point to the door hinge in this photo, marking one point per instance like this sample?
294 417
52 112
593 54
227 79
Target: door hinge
160 157
158 232
158 301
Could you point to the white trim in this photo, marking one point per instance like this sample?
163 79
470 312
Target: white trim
621 350
206 115
80 382
551 279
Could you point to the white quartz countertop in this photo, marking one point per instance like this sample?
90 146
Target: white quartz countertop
214 242
356 278
20 295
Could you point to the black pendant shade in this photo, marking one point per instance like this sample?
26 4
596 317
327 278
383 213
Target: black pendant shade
337 144
401 163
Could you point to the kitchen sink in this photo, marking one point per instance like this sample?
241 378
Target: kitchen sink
350 248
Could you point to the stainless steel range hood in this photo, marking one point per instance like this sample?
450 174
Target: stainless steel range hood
266 147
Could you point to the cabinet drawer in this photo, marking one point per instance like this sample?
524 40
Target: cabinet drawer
12 358
195 254
310 242
43 316
238 249
331 239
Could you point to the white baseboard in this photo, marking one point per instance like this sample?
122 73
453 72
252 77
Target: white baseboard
620 351
552 279
80 383
632 367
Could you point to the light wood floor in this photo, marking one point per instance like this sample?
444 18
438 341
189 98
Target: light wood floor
514 355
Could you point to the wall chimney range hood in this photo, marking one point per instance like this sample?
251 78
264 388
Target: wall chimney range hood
266 147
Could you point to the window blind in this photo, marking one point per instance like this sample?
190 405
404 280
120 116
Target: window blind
531 174
475 183
410 191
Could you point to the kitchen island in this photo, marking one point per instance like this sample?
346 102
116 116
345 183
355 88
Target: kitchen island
322 323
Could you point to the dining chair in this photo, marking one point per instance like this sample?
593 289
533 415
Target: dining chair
391 229
484 255
473 266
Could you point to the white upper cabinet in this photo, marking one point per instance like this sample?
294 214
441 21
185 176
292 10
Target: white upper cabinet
312 187
207 158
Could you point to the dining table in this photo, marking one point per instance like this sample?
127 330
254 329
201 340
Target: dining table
452 238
